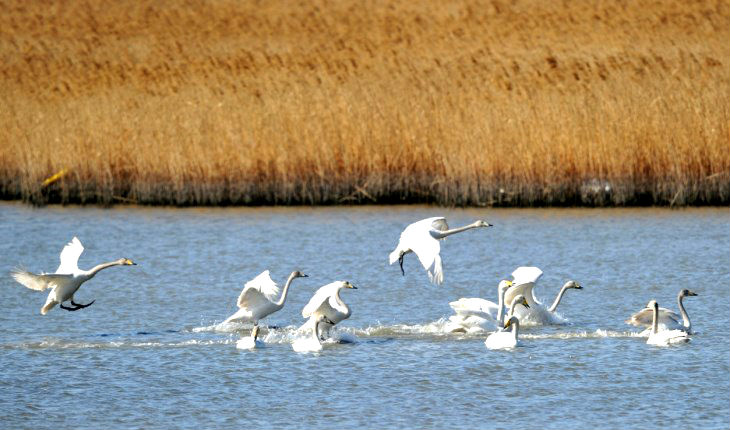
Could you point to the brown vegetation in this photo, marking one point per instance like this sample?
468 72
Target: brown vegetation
497 102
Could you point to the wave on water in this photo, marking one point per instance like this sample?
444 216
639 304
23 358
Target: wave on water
75 344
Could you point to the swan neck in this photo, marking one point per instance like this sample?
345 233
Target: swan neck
445 233
557 299
315 330
282 299
685 317
655 320
500 312
515 329
341 303
96 269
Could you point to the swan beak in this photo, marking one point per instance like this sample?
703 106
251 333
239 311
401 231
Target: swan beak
304 275
578 287
508 323
691 293
351 286
129 262
525 304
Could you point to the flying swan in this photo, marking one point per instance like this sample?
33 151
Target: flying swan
667 320
422 238
67 279
328 303
663 337
259 298
524 282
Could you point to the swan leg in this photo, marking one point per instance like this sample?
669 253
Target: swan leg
400 261
69 308
80 306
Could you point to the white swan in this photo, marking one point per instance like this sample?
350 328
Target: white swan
524 282
327 302
422 238
250 342
312 343
476 313
505 339
259 298
663 337
67 279
667 320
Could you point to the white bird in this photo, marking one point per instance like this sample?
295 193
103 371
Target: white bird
663 337
505 339
259 298
67 279
311 343
327 302
524 282
476 312
423 237
250 342
668 320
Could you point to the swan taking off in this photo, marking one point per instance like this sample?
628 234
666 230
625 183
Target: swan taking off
664 337
422 238
667 320
259 298
524 282
312 343
505 339
327 302
67 279
475 313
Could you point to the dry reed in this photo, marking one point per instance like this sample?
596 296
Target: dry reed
281 102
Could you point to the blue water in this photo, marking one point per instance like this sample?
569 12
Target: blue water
151 351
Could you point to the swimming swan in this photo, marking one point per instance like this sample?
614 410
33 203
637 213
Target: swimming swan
250 342
664 337
667 320
475 312
312 343
259 298
524 282
328 303
505 339
422 238
67 279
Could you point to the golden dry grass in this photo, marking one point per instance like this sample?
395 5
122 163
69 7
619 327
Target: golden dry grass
282 102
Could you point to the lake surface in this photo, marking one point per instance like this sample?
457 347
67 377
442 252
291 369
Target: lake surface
151 351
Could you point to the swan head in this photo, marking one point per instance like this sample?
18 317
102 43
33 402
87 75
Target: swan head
347 284
687 293
653 305
481 223
511 320
126 262
573 284
298 274
521 300
504 284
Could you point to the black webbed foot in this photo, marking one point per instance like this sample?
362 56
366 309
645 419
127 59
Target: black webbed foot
80 306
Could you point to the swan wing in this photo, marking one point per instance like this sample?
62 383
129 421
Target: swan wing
320 296
70 257
526 275
482 308
39 282
525 289
262 287
644 318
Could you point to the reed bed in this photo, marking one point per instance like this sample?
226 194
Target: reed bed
280 102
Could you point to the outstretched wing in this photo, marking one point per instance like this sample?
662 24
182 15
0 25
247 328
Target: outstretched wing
70 257
258 292
645 317
475 306
320 296
525 275
37 282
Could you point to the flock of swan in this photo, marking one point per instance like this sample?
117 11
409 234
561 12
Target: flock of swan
262 297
